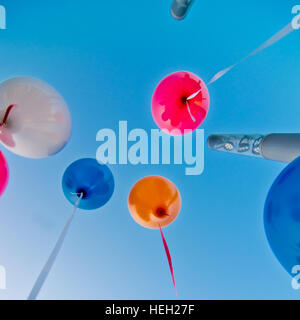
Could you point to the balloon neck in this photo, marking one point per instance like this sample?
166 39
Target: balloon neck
82 193
161 212
6 115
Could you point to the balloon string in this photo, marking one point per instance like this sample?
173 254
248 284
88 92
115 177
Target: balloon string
192 96
275 38
47 267
189 110
169 258
7 112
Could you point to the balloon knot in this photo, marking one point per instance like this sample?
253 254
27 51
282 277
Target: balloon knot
7 112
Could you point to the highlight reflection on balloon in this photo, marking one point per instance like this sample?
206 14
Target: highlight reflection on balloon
91 179
154 202
180 102
282 216
4 173
36 120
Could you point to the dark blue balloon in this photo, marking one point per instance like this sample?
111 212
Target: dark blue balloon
282 216
90 178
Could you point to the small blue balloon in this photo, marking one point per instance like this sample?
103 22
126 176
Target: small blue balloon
282 216
91 179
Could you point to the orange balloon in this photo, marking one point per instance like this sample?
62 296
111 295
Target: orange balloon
154 202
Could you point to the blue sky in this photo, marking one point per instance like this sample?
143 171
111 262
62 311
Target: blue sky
105 58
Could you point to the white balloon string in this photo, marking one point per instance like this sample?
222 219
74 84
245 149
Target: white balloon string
192 96
278 36
47 267
189 110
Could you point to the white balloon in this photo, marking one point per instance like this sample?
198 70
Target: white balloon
39 125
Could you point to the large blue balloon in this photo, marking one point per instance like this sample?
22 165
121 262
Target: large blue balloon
90 178
282 216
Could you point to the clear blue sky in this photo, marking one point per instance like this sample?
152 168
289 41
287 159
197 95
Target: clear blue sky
105 58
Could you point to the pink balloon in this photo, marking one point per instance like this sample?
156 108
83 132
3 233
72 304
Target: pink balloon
4 173
180 101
